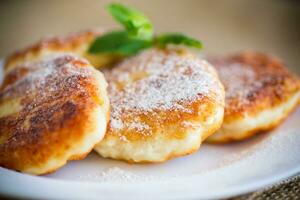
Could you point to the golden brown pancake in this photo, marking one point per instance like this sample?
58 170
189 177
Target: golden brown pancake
52 110
77 43
164 103
260 93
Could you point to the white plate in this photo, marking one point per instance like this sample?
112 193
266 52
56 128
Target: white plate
216 171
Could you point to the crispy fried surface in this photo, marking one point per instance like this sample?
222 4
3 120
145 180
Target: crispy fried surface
51 111
77 43
260 92
164 103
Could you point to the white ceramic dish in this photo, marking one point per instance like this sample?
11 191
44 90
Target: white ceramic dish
216 171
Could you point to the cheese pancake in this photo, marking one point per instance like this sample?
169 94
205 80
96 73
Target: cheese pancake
164 103
52 110
77 43
260 93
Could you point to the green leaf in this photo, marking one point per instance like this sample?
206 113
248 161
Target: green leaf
118 42
136 24
177 38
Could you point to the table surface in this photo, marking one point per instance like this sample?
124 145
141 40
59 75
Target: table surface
287 189
224 26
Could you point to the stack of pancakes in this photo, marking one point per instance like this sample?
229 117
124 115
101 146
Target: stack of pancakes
160 104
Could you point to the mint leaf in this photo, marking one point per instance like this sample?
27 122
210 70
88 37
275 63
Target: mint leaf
138 35
136 24
118 42
176 38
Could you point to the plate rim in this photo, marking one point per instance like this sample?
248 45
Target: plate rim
77 190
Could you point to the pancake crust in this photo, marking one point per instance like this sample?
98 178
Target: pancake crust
260 93
77 43
52 110
163 104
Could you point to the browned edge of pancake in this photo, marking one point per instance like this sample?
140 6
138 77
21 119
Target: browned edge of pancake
276 89
51 120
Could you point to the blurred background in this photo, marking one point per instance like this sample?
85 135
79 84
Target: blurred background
224 26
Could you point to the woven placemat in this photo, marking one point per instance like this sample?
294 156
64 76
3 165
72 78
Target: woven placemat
288 189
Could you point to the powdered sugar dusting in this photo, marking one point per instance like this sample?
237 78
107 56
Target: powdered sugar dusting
41 74
237 79
158 80
274 147
248 75
53 78
116 174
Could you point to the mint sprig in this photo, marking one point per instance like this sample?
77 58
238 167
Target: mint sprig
118 42
177 39
136 24
138 35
